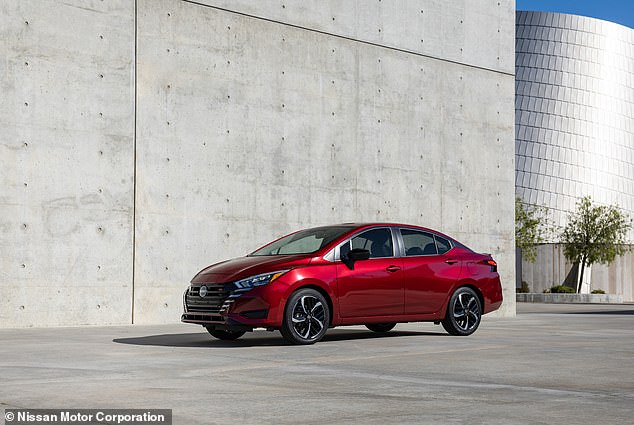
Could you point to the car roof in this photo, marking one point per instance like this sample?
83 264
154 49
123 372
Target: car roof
359 226
388 224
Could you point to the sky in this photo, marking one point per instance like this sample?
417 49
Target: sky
619 11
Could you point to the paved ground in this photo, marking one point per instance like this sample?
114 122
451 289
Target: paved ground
553 364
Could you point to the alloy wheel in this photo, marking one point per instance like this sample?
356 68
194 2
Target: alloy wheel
463 312
466 311
306 317
309 317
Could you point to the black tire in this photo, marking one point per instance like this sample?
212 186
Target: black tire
464 312
225 335
381 327
306 317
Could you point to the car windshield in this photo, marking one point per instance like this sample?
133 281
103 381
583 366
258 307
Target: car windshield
304 241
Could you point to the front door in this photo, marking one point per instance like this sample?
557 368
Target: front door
374 287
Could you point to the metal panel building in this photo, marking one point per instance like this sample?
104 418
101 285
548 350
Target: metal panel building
574 127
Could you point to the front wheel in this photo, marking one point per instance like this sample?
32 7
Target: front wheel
380 327
306 317
463 312
225 335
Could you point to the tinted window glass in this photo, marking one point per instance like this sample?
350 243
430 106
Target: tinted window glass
309 243
304 242
418 243
377 241
443 245
344 249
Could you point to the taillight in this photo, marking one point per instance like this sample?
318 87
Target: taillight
492 263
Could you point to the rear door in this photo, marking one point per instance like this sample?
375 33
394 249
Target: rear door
375 286
430 269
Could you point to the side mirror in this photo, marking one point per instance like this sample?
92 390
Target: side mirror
353 255
358 254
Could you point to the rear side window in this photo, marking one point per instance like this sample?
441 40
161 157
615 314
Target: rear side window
442 244
418 243
377 241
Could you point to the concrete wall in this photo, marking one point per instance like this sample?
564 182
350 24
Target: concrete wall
66 161
552 268
269 117
473 32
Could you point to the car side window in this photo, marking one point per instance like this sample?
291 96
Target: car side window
442 244
418 243
344 249
377 241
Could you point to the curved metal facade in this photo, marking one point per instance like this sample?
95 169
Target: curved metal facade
574 104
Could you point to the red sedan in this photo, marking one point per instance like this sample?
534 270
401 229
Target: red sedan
375 275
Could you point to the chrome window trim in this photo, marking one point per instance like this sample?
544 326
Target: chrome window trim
451 244
331 255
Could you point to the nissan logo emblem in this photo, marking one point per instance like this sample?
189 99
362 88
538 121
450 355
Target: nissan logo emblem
203 291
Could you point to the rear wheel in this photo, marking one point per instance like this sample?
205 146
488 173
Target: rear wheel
380 327
463 312
225 335
306 317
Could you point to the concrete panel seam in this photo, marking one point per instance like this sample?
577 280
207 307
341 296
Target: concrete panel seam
134 157
343 37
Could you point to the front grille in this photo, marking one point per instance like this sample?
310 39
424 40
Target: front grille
210 303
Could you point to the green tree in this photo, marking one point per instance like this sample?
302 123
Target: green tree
595 234
530 227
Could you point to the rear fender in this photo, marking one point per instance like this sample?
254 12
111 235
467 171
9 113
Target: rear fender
469 283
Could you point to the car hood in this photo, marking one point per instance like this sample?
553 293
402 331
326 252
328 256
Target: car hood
239 268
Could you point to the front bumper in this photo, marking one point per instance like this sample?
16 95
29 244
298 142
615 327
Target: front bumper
224 309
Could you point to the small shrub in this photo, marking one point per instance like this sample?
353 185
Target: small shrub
562 289
524 289
597 291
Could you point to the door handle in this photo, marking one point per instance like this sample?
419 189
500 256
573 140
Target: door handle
392 269
451 261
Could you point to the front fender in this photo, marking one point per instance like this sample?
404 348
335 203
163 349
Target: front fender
321 278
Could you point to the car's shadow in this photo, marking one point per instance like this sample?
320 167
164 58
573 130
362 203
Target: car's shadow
259 338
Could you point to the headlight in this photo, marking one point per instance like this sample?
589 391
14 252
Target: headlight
249 283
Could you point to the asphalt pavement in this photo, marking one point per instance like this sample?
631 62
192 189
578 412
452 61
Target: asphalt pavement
552 364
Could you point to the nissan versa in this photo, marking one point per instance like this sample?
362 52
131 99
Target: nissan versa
375 275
